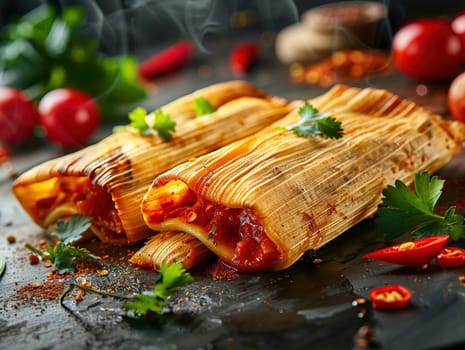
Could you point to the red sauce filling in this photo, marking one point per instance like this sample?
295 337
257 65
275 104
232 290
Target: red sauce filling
90 200
236 228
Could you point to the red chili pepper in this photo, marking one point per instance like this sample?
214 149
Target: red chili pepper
391 297
451 257
167 60
243 56
414 253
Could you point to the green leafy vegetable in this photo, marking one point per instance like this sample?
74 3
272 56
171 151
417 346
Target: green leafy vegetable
62 254
408 211
137 118
164 125
71 230
202 107
148 303
171 277
46 49
313 123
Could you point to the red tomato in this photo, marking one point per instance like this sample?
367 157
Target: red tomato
451 257
68 117
427 49
458 26
456 97
18 116
393 297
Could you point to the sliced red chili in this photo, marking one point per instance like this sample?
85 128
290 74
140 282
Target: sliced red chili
167 60
451 257
243 56
392 297
4 155
413 253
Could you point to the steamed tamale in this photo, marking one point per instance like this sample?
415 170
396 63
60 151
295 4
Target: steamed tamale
108 180
263 201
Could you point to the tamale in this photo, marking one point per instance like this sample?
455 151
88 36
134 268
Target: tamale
107 180
262 202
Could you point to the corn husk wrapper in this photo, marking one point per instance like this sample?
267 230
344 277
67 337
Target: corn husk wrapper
121 167
305 192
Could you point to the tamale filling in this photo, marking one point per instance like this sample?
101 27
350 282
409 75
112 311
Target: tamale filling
235 233
77 195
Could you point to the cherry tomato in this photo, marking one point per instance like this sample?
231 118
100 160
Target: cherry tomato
451 257
392 297
427 49
458 26
18 116
68 117
456 97
414 253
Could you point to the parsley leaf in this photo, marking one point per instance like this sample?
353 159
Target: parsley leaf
313 123
164 125
62 254
202 107
408 211
171 277
71 230
137 121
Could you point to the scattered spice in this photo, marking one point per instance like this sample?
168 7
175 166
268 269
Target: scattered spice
48 290
34 259
342 66
11 239
220 271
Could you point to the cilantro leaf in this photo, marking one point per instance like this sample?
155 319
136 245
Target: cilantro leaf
137 121
2 265
62 254
171 277
164 125
313 123
202 107
408 211
71 230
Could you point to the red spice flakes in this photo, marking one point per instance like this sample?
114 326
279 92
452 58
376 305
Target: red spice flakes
33 259
221 271
10 239
342 66
48 290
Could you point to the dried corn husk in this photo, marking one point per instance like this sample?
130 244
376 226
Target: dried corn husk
305 192
119 169
170 247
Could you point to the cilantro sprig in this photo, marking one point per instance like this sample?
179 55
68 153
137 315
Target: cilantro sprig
163 124
63 254
407 211
313 123
202 107
148 303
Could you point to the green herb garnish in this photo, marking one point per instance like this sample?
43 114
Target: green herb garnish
171 278
137 121
202 107
408 211
149 303
313 123
164 125
62 254
46 49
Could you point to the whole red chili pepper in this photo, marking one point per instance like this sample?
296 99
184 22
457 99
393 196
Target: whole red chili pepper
242 57
392 297
451 257
167 60
413 253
